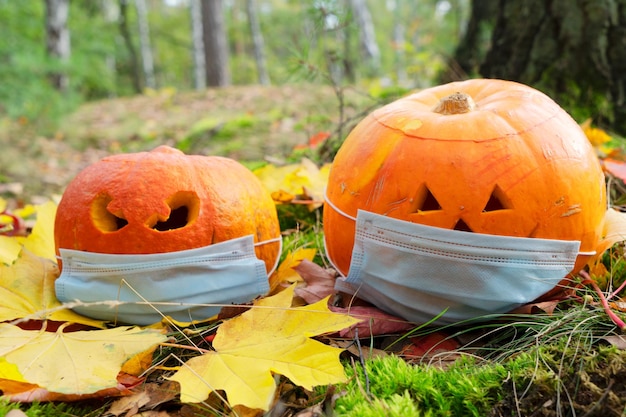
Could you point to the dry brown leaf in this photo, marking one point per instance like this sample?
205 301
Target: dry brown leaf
373 322
320 282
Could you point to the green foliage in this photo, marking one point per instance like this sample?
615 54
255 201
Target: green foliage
465 389
559 375
61 409
303 40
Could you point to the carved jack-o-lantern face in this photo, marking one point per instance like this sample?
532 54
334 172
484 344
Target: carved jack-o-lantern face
164 201
481 156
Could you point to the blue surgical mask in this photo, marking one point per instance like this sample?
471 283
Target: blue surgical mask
186 285
418 272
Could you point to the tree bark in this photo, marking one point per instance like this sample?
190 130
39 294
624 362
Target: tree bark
574 50
199 64
58 39
257 42
472 48
144 43
215 43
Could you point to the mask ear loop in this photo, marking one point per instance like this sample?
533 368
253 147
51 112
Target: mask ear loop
278 239
344 214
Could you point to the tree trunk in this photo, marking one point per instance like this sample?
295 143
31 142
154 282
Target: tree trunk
399 42
574 50
110 10
58 39
472 48
257 42
215 43
199 64
367 37
144 43
128 41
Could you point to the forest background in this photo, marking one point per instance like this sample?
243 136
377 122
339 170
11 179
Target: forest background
107 76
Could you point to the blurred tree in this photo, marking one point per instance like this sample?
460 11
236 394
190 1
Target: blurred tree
574 50
130 47
370 54
58 40
199 63
257 42
144 43
472 48
215 43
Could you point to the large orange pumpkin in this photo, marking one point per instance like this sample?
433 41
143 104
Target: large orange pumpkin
165 201
481 156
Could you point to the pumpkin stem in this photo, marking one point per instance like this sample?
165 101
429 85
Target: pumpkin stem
456 103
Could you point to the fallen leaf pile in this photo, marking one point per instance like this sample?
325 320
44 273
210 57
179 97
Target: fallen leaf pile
50 353
291 338
42 356
301 183
243 361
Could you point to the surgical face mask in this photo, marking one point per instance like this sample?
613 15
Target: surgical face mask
418 272
186 285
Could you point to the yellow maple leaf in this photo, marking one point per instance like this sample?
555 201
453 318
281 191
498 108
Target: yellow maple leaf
41 239
286 272
80 362
27 291
270 338
614 231
598 138
10 249
291 180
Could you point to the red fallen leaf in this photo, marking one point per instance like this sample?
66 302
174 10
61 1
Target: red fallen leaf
17 226
429 345
318 138
615 168
52 326
374 322
314 140
320 282
24 392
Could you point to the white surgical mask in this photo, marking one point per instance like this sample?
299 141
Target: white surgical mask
185 285
418 272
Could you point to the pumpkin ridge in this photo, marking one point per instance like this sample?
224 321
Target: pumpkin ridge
419 111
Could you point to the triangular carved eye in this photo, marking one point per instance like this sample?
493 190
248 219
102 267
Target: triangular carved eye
425 200
461 226
497 201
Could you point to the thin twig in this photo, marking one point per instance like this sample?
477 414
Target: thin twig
362 361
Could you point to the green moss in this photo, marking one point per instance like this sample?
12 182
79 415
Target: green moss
53 409
561 376
466 388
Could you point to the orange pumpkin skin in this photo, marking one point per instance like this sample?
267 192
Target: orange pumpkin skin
515 164
118 204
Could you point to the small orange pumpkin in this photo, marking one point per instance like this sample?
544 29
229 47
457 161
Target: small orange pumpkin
165 201
482 156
